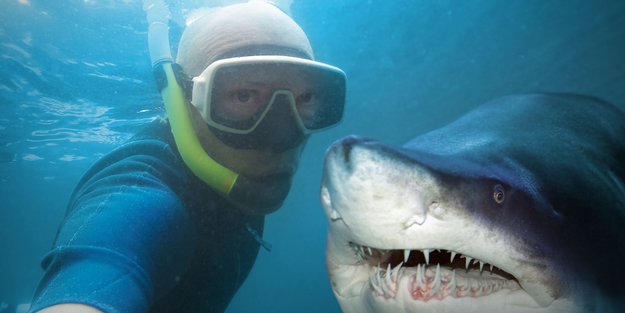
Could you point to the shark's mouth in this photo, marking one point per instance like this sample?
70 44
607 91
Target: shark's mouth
431 274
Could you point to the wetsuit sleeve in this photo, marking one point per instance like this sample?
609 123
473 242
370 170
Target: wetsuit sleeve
126 239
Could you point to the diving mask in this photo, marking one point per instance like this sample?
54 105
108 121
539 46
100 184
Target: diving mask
234 95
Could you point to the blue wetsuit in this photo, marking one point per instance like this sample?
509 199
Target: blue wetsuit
143 234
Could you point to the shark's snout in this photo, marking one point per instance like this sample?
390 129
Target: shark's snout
340 152
358 163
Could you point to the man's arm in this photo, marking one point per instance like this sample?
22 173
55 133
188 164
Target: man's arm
70 308
106 258
123 221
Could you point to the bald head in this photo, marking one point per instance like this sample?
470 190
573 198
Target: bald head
241 29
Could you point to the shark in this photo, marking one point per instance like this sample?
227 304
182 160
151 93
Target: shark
517 206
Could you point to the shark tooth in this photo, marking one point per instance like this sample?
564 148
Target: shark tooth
420 276
452 283
373 281
467 262
387 278
436 285
395 272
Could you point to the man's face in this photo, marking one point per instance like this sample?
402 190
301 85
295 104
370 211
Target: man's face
254 115
278 167
244 97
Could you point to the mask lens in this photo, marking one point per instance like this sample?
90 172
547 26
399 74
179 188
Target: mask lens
238 100
322 105
242 92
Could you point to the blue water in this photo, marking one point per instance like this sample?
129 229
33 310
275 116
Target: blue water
75 82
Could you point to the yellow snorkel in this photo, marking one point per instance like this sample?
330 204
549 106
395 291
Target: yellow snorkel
197 160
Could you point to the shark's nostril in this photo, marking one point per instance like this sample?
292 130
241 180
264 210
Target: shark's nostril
343 148
347 144
436 209
347 149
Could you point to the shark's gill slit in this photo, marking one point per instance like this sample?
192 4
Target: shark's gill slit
432 273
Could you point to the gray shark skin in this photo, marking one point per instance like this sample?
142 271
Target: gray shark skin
518 206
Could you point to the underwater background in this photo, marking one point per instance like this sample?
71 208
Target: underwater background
75 82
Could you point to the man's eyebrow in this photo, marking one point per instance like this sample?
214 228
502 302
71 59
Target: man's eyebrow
256 83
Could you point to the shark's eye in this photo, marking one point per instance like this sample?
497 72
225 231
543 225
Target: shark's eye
499 194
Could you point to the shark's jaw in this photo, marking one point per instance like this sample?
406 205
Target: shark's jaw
400 241
431 274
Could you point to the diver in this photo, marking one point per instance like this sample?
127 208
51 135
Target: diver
172 220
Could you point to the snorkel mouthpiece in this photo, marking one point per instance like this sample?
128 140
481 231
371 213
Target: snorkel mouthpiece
197 160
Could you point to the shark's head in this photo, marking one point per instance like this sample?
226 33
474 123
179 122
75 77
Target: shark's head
469 222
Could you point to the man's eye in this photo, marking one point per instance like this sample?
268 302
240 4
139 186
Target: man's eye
243 96
305 98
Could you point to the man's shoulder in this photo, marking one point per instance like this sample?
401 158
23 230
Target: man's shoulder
153 144
150 154
157 129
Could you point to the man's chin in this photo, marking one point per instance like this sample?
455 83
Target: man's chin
261 195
